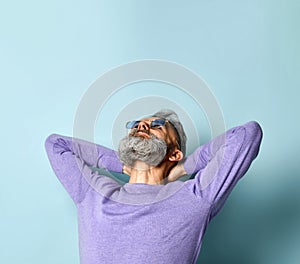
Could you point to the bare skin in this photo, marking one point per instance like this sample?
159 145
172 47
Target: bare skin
168 170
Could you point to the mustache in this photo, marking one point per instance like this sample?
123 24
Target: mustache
136 130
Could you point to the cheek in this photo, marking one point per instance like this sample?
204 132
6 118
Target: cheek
158 134
168 140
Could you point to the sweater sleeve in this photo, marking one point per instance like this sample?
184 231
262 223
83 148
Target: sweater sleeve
71 160
220 163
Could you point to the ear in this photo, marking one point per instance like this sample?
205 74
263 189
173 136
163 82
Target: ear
176 155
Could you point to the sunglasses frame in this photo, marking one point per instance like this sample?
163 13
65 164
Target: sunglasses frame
154 123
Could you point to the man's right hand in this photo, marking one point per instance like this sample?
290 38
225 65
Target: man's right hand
126 170
176 172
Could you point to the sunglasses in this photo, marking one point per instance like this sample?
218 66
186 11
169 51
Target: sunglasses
154 123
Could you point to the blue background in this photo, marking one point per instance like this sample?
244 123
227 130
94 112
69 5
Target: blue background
246 51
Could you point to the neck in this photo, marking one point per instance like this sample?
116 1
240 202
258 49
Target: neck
144 173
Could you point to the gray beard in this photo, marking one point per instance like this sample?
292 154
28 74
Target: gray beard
151 151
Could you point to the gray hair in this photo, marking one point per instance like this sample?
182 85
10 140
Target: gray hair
172 117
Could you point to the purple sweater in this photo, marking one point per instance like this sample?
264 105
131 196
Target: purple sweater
140 223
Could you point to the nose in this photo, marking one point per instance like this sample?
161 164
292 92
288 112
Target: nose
143 125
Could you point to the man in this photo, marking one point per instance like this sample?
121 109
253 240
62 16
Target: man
153 218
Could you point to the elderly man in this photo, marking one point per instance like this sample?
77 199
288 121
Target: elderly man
154 218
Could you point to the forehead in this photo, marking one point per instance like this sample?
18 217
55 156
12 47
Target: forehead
149 119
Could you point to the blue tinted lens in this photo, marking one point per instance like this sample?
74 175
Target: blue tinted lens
158 122
132 124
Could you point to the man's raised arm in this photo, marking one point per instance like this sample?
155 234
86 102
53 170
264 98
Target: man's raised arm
220 163
71 159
